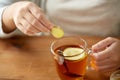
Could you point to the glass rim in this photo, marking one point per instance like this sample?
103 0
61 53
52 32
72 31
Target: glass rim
84 49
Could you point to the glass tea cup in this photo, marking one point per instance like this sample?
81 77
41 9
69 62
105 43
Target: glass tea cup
70 55
115 75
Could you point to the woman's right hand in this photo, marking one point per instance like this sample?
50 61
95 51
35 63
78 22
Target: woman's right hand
27 17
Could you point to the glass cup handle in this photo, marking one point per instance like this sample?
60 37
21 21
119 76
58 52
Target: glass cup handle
89 66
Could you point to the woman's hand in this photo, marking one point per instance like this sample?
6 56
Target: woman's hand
27 17
107 54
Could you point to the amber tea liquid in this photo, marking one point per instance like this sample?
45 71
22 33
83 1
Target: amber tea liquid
71 69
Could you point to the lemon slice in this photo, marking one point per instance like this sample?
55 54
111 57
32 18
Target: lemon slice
73 54
57 32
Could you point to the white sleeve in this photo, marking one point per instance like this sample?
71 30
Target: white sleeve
3 5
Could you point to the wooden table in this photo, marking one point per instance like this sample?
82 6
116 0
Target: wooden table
29 58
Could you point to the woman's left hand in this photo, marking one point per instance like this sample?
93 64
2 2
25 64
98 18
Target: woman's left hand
107 54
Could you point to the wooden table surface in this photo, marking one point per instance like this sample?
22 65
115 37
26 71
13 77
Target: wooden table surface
29 58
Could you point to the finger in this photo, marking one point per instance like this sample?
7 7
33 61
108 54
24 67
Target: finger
37 12
106 68
34 22
102 44
22 29
102 55
105 61
20 22
26 27
45 22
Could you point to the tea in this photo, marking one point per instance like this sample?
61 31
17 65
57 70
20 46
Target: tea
72 68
